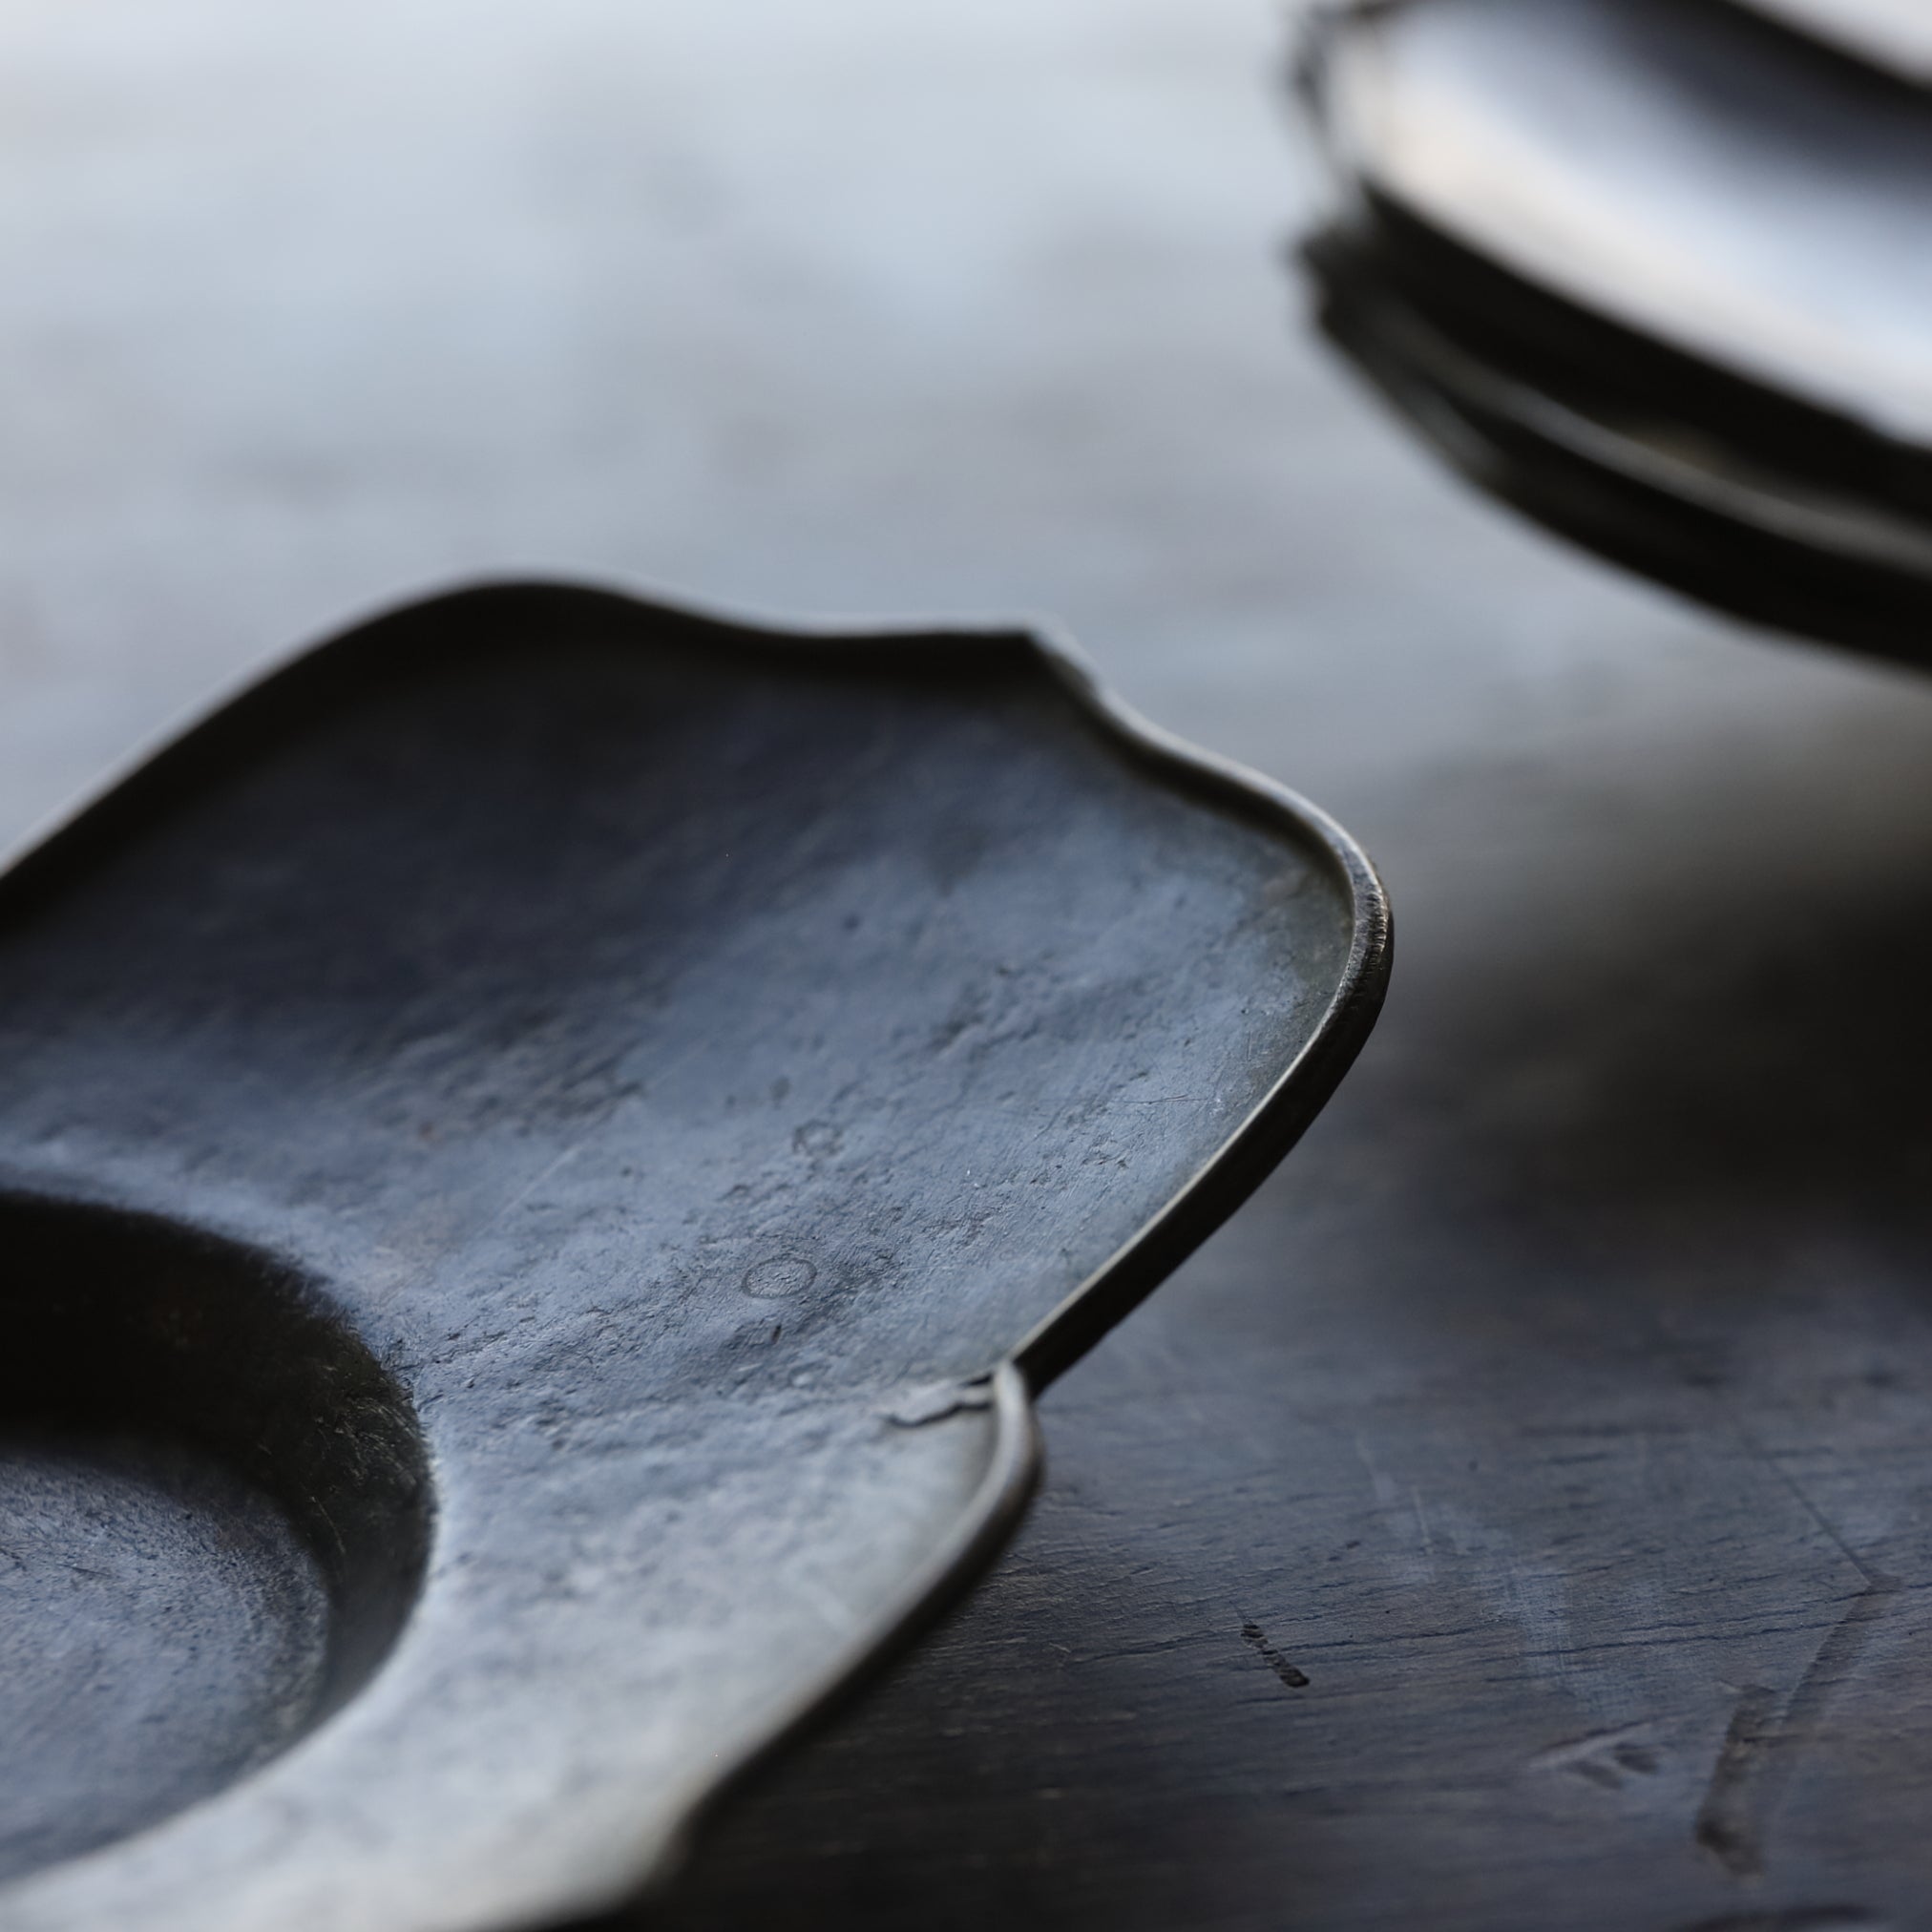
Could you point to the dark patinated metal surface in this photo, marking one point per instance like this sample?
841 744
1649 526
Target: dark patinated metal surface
600 1119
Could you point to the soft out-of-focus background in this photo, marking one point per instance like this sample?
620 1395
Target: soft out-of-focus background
1562 1398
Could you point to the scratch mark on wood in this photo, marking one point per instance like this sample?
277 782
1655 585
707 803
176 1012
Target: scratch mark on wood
1761 1747
1837 1657
1726 1823
1796 1918
1607 1758
1256 1638
1876 1580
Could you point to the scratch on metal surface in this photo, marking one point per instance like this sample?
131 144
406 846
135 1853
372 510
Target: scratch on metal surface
939 1400
529 1187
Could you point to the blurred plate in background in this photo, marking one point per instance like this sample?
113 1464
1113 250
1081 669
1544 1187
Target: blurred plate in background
1660 278
1894 35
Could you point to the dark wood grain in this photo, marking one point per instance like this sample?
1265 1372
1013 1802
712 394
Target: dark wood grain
1514 1412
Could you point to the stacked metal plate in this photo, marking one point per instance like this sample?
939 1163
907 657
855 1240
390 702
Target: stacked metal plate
1893 35
1659 273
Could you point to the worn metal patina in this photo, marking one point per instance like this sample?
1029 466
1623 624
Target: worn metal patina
546 1148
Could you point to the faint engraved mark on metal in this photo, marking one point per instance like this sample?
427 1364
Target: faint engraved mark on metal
937 1400
779 1276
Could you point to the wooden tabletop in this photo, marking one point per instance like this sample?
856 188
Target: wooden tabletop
1517 1517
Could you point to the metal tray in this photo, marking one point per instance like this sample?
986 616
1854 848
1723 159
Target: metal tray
546 1150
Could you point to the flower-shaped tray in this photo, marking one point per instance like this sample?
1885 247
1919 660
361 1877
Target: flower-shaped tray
545 1150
